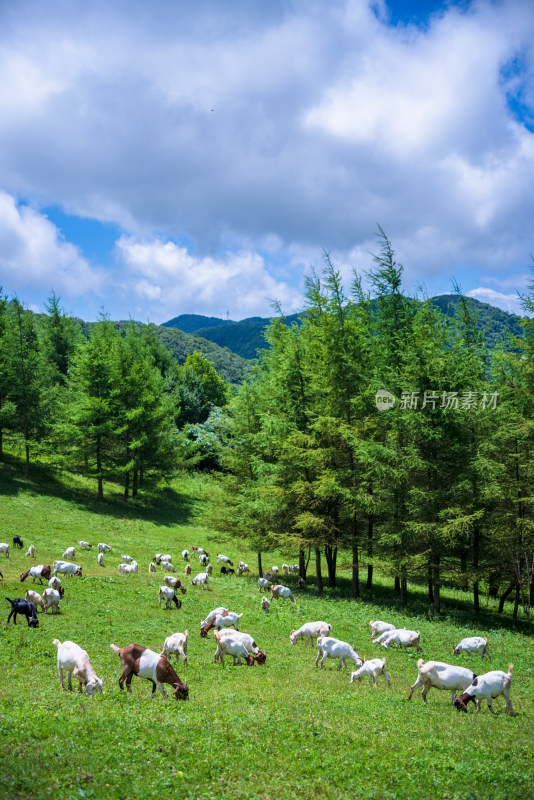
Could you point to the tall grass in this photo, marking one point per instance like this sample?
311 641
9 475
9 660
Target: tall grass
281 730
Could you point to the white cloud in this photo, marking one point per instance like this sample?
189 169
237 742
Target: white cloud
172 281
508 302
33 253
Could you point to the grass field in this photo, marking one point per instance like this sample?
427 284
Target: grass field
281 730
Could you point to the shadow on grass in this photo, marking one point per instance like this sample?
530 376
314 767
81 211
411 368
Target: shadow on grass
162 506
456 606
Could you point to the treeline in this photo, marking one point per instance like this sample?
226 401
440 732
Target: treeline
111 406
437 486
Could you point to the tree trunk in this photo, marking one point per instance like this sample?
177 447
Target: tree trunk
403 590
397 585
260 568
27 465
330 553
99 470
476 553
429 580
516 603
370 523
355 561
302 564
464 582
504 596
493 585
437 582
135 484
318 570
126 486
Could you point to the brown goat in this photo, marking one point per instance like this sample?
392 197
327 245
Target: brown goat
145 663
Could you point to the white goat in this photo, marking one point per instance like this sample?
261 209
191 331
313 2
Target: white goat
103 547
275 570
185 555
378 627
167 593
152 567
127 559
231 646
54 582
334 648
70 552
473 644
167 566
35 598
310 631
31 551
100 559
177 644
75 661
265 605
403 638
285 569
66 568
294 569
224 559
373 668
51 598
209 569
213 614
201 580
278 591
4 548
85 545
487 687
441 676
242 568
263 584
128 569
245 639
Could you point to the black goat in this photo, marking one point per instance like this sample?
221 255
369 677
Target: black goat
17 541
227 570
21 606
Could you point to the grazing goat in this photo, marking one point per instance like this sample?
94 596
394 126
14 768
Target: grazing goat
265 605
40 571
176 583
227 619
274 570
285 569
167 566
473 644
177 644
167 593
17 542
187 570
75 661
66 568
30 552
242 568
310 631
201 579
21 606
441 676
185 555
204 560
70 552
159 557
35 598
334 648
152 567
85 545
209 569
199 551
225 559
212 614
227 571
4 548
103 547
294 569
127 559
373 668
378 628
301 584
245 639
403 638
278 591
145 663
487 687
55 583
263 584
232 647
128 569
100 559
51 598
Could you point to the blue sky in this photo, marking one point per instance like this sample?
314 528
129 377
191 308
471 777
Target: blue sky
167 158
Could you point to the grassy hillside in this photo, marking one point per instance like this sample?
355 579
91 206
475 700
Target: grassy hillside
282 730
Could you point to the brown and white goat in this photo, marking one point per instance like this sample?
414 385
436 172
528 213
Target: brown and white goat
145 663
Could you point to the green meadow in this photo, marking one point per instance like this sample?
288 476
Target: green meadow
275 732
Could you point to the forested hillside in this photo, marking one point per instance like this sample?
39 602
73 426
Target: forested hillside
247 337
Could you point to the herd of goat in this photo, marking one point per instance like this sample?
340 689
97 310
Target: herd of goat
464 684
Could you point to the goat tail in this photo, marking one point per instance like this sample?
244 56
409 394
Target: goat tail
510 669
116 649
56 642
9 600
